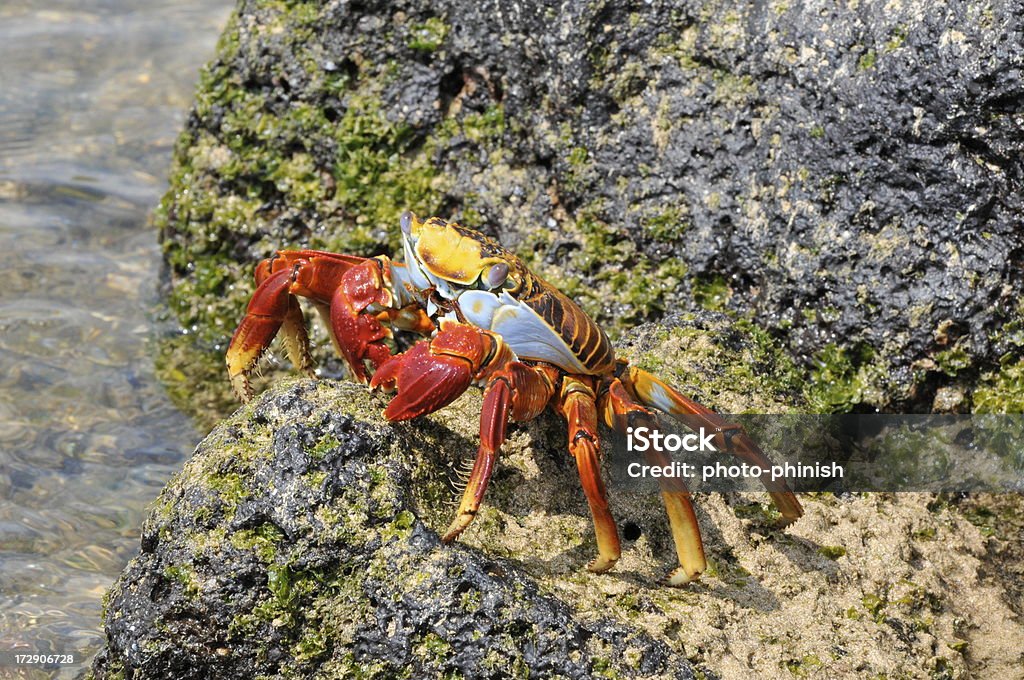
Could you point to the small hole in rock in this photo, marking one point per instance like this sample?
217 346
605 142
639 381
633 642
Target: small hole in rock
631 531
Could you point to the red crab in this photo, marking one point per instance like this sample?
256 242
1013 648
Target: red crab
493 323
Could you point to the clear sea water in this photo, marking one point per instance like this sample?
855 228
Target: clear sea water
92 96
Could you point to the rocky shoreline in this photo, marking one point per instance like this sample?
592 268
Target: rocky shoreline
812 208
301 541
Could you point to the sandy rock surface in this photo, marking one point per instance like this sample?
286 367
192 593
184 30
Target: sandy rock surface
300 541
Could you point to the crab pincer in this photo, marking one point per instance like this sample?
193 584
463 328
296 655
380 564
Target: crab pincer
423 381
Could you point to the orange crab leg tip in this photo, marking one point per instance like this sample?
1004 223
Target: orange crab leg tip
268 309
680 577
473 496
243 353
601 564
788 505
458 525
250 340
241 387
296 339
686 536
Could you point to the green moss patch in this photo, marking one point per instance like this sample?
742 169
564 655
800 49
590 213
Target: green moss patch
1001 391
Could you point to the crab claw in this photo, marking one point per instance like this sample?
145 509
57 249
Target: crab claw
435 373
425 382
359 337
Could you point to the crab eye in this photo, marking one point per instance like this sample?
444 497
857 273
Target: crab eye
406 222
497 275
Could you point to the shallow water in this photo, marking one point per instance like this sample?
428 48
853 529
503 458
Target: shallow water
92 96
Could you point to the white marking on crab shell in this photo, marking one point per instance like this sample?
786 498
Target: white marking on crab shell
402 285
415 273
478 306
522 329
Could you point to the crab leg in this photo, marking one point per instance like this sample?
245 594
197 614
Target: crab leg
516 391
343 285
272 307
620 408
731 436
577 404
493 428
435 372
296 338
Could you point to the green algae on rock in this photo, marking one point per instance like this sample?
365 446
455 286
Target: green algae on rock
288 547
849 179
304 532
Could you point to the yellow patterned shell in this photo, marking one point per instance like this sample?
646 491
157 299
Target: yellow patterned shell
462 258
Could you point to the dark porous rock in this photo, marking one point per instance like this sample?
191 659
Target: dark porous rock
846 176
301 541
288 548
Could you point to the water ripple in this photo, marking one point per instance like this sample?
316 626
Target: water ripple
94 94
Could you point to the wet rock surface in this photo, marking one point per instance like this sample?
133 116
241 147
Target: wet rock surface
301 541
288 548
845 181
848 177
